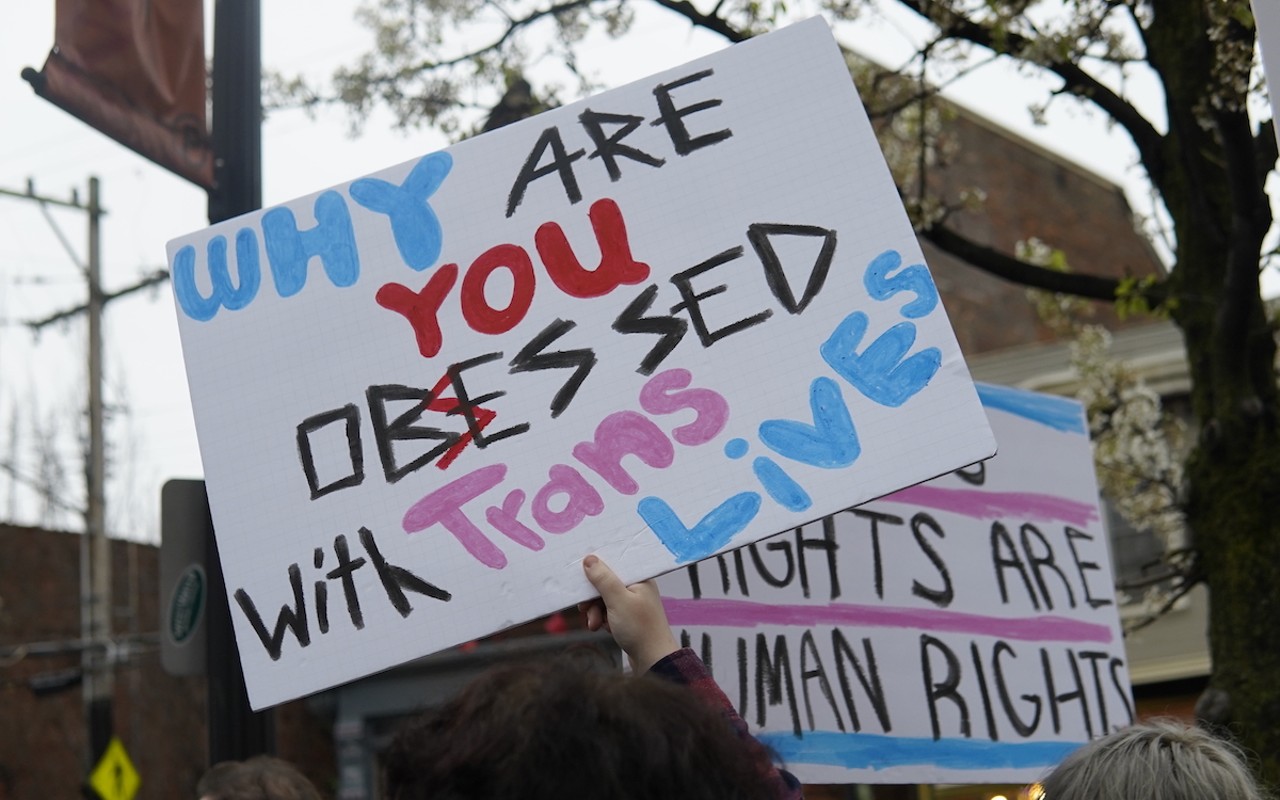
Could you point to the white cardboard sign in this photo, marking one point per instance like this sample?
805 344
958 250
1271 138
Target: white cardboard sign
959 631
656 324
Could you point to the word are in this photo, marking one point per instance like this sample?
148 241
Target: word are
414 226
294 619
609 147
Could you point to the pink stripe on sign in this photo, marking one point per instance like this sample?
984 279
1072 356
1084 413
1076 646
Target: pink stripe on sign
989 505
748 614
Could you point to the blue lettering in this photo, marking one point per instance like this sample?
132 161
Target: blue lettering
201 308
831 442
333 239
884 373
780 486
413 223
711 533
914 278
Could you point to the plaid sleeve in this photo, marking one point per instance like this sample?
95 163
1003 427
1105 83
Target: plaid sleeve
684 667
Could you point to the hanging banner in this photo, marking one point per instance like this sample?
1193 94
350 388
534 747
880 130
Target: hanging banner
960 631
135 70
654 325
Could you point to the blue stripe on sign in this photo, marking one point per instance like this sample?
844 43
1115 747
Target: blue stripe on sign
1059 413
872 751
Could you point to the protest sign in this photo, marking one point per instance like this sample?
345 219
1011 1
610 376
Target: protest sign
666 321
959 631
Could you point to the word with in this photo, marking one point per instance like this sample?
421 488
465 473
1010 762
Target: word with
414 227
1060 684
609 147
767 678
618 435
883 372
293 619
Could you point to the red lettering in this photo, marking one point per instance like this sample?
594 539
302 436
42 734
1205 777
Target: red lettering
484 318
617 266
420 308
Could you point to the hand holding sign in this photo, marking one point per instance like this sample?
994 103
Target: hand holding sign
633 614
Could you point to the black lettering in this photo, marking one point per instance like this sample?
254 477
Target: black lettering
1044 560
343 572
809 651
1076 695
402 428
939 597
987 711
692 300
868 676
673 118
290 619
396 579
467 406
1023 729
561 164
773 679
1093 657
669 329
322 593
1085 566
974 474
1004 555
355 451
946 689
876 518
1122 688
608 148
774 545
828 546
695 580
532 359
761 235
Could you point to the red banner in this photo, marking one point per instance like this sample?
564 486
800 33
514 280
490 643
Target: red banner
135 70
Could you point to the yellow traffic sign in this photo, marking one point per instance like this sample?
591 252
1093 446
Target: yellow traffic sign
114 778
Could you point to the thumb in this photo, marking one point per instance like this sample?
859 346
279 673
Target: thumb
605 580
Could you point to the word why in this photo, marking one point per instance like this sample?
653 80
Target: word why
414 227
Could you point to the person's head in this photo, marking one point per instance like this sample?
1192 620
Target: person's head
1159 760
557 729
257 778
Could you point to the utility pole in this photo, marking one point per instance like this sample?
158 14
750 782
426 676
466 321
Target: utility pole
96 641
99 683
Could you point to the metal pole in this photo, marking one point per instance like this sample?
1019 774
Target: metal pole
235 730
98 678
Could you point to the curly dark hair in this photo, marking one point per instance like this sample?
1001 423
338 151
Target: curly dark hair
558 729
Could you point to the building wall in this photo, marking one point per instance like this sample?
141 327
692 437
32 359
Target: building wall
160 719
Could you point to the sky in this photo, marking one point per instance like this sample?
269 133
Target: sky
151 431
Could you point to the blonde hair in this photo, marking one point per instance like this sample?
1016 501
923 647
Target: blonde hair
1161 759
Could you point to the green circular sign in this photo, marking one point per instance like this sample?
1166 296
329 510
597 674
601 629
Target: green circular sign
186 604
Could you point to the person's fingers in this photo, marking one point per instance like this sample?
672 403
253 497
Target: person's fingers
607 583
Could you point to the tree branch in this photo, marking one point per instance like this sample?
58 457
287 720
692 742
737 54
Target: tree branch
1004 266
710 22
1076 81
